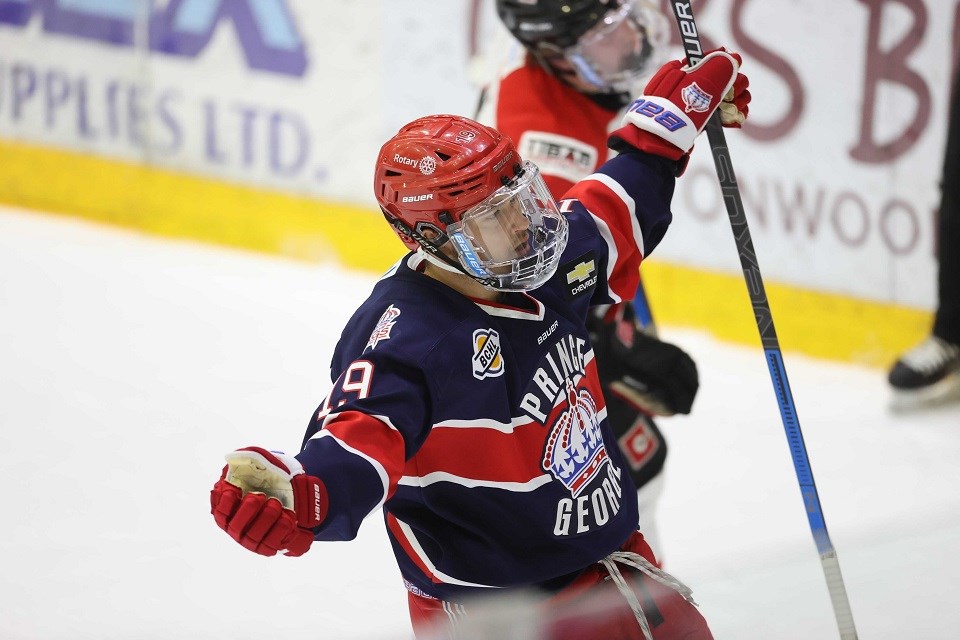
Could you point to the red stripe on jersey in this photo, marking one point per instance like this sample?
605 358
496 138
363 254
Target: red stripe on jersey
486 454
603 203
373 438
461 451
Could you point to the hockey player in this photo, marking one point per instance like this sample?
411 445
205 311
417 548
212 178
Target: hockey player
583 62
465 397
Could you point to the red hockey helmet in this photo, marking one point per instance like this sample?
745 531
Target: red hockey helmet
450 179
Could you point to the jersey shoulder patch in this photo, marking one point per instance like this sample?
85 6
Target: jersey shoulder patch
579 275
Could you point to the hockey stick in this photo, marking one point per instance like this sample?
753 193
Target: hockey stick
683 12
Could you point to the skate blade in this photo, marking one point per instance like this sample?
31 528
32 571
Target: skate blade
943 392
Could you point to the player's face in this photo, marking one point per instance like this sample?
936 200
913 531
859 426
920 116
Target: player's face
616 53
502 232
616 50
514 238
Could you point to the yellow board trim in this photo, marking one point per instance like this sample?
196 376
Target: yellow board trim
811 322
180 205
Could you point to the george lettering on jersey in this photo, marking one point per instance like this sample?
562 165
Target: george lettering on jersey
695 98
591 510
487 358
419 198
559 156
385 324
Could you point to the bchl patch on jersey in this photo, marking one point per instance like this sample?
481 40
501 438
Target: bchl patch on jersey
557 155
639 444
695 98
575 452
580 274
384 325
487 358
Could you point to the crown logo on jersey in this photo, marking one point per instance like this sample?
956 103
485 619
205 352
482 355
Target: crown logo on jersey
695 98
384 325
575 452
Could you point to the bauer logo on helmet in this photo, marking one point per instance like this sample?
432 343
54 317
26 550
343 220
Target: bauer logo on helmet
417 198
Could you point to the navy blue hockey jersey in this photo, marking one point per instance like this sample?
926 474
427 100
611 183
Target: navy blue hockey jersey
480 427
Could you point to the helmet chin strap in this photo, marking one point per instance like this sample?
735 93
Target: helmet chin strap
448 265
438 262
432 252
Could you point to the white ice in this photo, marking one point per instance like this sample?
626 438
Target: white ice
129 365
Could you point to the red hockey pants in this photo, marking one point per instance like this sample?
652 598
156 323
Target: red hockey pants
591 608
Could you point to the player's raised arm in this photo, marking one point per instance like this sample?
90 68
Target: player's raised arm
629 196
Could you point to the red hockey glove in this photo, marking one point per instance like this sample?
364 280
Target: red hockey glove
266 502
679 100
735 106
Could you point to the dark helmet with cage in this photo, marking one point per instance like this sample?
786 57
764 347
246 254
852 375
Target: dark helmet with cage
600 46
459 191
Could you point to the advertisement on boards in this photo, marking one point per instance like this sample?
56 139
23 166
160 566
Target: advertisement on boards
294 95
839 165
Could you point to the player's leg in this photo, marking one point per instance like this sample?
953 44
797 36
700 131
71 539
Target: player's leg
930 372
595 608
433 619
947 322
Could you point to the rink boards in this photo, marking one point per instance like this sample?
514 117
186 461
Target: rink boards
180 205
256 124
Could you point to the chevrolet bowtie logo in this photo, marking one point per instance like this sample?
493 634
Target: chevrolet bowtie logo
581 272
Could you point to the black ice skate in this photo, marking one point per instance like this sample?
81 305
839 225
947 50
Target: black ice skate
927 374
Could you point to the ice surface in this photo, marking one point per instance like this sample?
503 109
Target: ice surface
129 365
